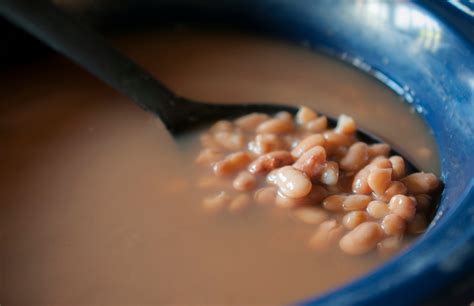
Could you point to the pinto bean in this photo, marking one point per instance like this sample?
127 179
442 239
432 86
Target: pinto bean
266 195
393 225
403 206
356 158
244 181
398 165
379 180
418 225
379 149
307 143
362 239
378 209
275 126
312 161
304 115
208 156
222 126
360 183
292 182
310 215
330 173
231 141
271 161
250 122
356 202
345 125
317 125
420 182
334 202
354 218
232 163
266 143
326 235
393 189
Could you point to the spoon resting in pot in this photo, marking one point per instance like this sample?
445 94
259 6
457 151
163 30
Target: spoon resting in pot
90 50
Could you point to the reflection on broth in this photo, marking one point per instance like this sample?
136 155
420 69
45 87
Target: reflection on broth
100 205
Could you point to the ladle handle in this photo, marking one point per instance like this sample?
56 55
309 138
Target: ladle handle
90 50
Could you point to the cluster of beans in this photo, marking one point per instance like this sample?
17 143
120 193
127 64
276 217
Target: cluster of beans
355 194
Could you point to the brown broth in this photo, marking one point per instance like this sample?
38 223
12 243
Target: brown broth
99 204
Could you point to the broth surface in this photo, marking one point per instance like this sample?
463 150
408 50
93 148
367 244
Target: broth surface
99 204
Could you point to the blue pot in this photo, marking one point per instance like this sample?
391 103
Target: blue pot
421 50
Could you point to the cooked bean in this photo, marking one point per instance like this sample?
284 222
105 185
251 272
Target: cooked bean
222 126
275 126
393 189
304 115
420 182
334 140
378 209
398 165
389 245
217 202
240 203
354 218
423 202
345 125
231 163
250 122
418 225
334 202
380 162
362 239
208 156
330 173
292 182
356 202
244 181
393 225
271 161
317 194
310 215
360 183
317 125
284 115
208 141
403 206
230 140
356 158
306 144
379 180
326 235
311 161
266 195
283 201
266 143
379 149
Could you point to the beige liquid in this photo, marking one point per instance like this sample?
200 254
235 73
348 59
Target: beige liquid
99 205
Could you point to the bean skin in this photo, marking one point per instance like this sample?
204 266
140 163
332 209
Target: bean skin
306 144
292 182
403 206
244 181
420 182
356 158
271 161
326 235
304 115
362 239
